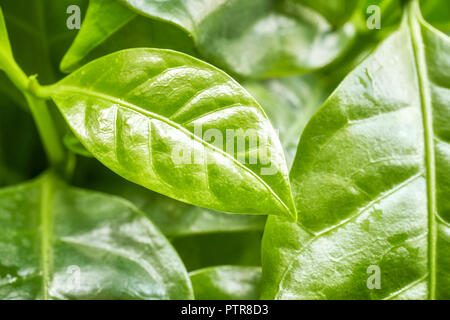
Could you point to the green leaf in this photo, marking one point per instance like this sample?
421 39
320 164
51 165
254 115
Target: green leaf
58 242
226 283
296 40
337 12
166 121
371 181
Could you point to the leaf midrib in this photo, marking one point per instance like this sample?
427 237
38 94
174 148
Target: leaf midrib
427 118
95 94
46 230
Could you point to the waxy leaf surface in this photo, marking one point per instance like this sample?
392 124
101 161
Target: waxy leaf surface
371 181
172 123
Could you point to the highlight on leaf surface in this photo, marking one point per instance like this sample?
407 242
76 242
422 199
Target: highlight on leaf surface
371 181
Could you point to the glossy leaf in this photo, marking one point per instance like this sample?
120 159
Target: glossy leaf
371 181
145 113
226 283
228 35
58 242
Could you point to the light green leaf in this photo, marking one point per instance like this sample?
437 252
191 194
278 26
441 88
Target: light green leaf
295 40
226 283
57 242
166 121
371 181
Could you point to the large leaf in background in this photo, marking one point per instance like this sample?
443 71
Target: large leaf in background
296 40
138 110
371 181
226 283
57 242
337 12
289 103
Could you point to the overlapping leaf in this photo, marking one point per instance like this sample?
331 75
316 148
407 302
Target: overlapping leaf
371 182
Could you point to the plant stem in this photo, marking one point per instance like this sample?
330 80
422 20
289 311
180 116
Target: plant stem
47 130
14 73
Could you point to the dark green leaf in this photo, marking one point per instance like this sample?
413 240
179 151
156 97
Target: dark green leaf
146 114
226 283
57 242
371 181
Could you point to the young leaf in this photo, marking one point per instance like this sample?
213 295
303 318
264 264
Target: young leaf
371 182
226 283
169 122
229 35
58 242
